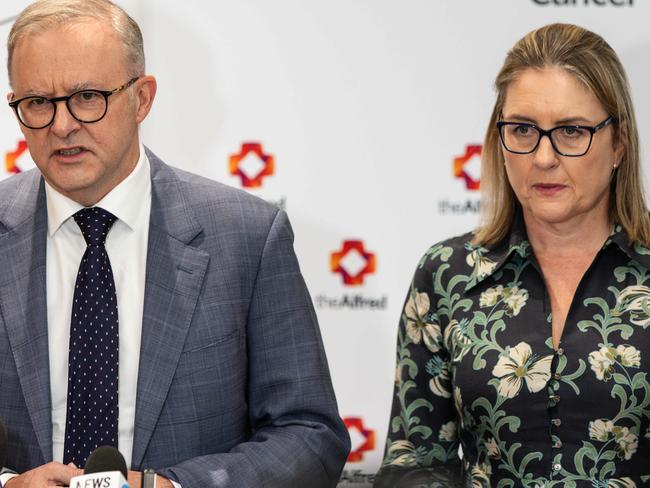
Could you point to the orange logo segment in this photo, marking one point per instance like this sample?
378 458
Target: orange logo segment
11 158
251 164
353 262
362 439
461 170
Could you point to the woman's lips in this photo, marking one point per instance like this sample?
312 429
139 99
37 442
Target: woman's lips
548 189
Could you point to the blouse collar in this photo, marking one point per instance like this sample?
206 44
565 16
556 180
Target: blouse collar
486 261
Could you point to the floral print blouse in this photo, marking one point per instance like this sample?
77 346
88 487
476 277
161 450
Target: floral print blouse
476 368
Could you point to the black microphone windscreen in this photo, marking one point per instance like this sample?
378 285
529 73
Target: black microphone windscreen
105 458
3 445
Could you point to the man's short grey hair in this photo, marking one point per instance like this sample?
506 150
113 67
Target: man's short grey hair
45 14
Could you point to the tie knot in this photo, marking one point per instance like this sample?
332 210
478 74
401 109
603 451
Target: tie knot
94 223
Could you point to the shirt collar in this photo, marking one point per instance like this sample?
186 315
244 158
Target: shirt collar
123 201
634 251
488 261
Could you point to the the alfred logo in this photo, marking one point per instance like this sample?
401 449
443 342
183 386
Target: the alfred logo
11 158
362 439
353 262
251 164
586 3
356 477
467 167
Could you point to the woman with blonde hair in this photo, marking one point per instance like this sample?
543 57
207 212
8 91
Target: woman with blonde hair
527 343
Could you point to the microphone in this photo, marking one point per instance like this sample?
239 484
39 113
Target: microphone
105 458
3 445
105 468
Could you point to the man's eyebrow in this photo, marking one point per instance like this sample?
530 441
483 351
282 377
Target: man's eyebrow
83 85
30 92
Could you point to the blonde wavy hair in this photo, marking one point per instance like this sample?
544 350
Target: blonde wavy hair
591 60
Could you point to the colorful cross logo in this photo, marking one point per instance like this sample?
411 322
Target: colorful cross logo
468 166
361 439
11 158
251 164
353 262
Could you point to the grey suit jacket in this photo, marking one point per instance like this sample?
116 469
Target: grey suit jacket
233 386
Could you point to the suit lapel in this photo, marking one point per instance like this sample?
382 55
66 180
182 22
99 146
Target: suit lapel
175 272
23 301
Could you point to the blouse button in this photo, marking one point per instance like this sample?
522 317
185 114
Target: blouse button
554 398
557 467
560 351
556 422
557 376
557 444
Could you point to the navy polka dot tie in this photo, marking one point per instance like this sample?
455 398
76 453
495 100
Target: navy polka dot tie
92 410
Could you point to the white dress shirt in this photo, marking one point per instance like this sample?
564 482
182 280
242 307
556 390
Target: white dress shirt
126 245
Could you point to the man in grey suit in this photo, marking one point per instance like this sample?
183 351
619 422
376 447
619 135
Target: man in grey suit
223 380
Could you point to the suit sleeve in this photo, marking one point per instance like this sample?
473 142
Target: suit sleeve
297 437
422 445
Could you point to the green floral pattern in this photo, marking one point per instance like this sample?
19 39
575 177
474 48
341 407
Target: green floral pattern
476 369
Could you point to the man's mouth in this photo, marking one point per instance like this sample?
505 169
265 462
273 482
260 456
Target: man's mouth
69 152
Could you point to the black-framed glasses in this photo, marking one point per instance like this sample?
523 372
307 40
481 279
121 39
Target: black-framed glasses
86 106
567 140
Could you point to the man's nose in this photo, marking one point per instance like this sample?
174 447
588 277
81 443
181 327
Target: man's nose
64 123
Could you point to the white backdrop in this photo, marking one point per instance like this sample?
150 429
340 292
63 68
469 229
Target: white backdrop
359 109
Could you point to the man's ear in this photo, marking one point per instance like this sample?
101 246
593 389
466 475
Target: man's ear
145 92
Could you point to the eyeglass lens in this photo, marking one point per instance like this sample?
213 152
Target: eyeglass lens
567 140
85 106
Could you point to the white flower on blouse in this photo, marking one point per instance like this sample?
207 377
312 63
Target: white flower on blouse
458 403
481 475
629 356
440 382
602 362
620 483
491 296
398 373
482 266
514 299
600 430
519 366
417 328
636 300
492 448
448 432
455 340
403 453
627 442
